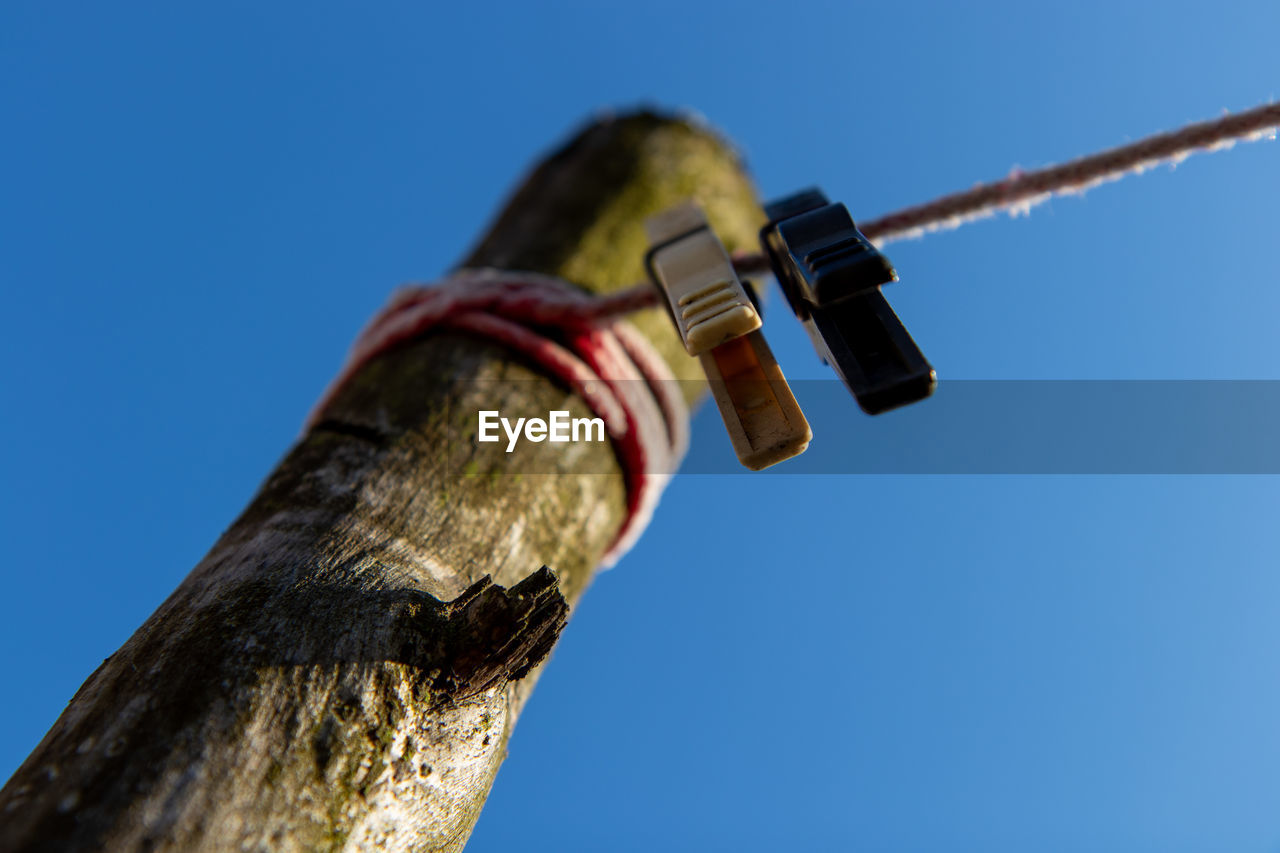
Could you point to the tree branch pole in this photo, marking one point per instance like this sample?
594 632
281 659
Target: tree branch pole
344 668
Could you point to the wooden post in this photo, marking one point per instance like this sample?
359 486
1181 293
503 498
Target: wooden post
344 668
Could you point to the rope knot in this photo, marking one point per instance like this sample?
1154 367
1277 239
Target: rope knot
574 336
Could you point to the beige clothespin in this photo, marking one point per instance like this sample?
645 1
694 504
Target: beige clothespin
719 324
707 300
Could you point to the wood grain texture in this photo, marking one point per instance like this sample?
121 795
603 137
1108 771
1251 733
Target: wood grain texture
342 671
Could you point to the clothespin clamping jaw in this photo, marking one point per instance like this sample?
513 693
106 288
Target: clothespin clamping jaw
831 276
719 324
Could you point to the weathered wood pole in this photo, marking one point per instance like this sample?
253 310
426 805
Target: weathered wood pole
338 673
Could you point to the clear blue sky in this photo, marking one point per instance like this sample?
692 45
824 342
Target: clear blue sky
200 206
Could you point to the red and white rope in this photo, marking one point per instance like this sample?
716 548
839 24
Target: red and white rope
571 335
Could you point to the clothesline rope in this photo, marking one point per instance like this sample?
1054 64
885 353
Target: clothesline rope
580 338
1020 191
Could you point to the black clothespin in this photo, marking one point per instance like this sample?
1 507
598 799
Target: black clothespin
831 276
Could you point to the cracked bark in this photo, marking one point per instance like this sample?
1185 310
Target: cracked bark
344 668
